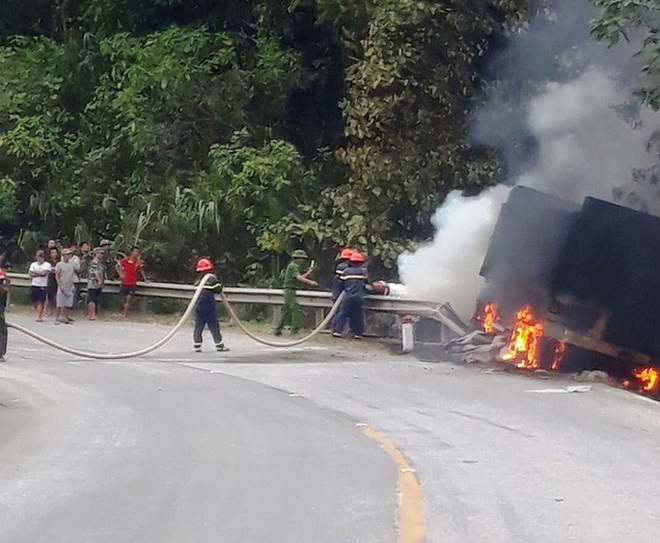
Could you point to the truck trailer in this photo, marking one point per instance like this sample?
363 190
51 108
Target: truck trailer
590 273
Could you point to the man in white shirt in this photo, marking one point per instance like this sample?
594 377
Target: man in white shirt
38 273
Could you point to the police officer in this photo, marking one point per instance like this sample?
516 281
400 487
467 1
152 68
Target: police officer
206 311
4 292
353 283
291 314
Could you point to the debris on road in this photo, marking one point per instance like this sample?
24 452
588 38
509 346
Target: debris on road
594 376
476 347
568 390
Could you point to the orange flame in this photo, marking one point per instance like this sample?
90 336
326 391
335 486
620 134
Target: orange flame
525 339
491 316
649 376
560 349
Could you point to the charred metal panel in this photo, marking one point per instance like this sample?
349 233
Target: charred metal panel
611 258
530 232
594 268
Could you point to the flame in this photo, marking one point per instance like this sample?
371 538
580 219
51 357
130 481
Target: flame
491 316
560 349
525 339
649 376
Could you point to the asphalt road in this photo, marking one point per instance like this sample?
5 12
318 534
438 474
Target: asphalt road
267 445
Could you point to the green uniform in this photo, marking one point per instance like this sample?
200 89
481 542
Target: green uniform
291 314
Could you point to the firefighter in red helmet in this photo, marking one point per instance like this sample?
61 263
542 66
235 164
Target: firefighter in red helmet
206 311
353 283
340 265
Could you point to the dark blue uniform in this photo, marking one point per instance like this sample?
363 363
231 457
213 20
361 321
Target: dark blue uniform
206 314
337 286
336 280
353 281
3 324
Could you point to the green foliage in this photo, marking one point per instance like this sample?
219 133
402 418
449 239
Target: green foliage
261 186
408 96
239 129
623 19
7 200
122 135
241 202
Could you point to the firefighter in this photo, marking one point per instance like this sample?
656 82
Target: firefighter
340 265
4 293
291 314
353 283
206 311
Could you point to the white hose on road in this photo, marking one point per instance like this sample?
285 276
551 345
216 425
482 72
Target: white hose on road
270 343
120 356
177 327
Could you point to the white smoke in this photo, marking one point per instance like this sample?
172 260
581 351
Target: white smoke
589 135
447 269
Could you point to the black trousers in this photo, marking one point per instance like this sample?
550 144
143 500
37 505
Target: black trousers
351 310
206 317
3 336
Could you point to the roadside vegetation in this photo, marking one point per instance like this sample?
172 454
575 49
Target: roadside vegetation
243 129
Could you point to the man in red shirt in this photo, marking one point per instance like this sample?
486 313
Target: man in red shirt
128 269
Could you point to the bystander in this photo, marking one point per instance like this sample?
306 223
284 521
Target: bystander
128 269
39 272
65 274
95 280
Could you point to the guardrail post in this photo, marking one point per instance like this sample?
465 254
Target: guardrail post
407 334
142 304
319 315
277 315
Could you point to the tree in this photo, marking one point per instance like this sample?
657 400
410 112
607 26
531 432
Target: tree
628 20
408 96
242 128
112 117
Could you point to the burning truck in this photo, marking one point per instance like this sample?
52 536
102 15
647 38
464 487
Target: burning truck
575 287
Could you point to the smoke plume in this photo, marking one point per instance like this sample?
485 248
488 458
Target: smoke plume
564 119
448 268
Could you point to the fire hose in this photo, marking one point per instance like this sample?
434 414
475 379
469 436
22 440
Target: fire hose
177 327
263 341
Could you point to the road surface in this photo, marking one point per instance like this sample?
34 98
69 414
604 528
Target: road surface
269 445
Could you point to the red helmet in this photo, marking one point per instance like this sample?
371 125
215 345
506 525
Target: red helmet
204 264
346 254
357 257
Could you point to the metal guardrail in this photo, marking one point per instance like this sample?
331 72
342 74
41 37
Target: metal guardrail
320 301
238 295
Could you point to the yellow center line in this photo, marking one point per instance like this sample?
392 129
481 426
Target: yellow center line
412 523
